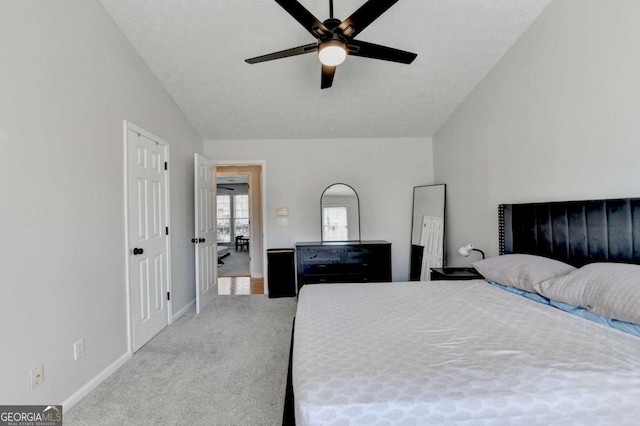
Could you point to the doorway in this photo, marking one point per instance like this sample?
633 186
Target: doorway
240 229
233 217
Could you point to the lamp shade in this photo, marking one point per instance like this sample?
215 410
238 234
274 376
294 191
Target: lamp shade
332 53
465 251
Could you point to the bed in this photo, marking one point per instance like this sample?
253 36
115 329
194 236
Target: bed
469 352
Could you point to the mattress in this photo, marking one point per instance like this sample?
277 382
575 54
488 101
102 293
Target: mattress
222 250
456 353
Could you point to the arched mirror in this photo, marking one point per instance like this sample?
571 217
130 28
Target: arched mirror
340 212
427 231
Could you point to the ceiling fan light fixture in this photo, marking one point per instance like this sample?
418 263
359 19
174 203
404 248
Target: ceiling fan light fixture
332 52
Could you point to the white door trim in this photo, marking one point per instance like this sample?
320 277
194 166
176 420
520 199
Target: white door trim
130 126
263 195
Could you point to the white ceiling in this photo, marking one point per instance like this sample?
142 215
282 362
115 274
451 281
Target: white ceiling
197 50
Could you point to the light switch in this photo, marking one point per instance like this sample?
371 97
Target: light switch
283 221
282 211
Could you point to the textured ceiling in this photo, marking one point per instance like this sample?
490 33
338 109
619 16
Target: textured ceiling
197 49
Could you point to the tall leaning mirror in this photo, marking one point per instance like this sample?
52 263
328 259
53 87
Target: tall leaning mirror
340 212
427 231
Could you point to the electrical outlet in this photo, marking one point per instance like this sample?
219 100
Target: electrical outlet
36 375
78 349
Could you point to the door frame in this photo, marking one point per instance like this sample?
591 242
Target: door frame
126 127
263 200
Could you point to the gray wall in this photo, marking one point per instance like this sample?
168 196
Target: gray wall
68 79
382 171
556 119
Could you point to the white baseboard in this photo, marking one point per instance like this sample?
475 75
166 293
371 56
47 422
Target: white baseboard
257 276
93 383
184 310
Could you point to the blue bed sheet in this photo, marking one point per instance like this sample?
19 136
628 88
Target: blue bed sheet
528 295
627 327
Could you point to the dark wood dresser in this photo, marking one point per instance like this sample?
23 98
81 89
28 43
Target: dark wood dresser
343 262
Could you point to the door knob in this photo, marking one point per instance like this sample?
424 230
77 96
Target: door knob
193 240
202 240
137 251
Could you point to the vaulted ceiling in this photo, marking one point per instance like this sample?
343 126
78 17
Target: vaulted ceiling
197 50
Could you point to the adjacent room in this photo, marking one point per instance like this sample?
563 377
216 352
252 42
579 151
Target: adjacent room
232 204
320 212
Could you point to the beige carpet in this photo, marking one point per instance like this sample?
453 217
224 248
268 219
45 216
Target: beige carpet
226 366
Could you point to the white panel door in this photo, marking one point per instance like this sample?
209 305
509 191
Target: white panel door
206 239
148 248
431 237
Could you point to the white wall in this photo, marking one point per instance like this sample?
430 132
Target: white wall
556 119
382 171
68 79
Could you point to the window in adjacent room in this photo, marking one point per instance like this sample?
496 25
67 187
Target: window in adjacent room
241 215
224 218
334 226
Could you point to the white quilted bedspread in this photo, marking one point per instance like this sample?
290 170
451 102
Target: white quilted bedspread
456 353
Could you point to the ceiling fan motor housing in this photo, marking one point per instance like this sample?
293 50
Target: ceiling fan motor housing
332 25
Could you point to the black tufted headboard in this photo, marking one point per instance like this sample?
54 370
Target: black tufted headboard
575 232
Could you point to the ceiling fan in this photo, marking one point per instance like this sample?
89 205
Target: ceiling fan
335 39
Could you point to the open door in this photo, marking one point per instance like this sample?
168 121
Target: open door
206 237
431 237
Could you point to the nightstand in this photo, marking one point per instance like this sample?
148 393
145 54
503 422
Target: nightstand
451 274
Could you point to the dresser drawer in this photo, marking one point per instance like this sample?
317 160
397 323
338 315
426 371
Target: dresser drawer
318 256
363 268
324 279
360 256
342 278
322 268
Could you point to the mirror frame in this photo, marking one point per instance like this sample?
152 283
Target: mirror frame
444 232
357 199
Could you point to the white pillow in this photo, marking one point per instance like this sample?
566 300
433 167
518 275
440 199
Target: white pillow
522 271
608 289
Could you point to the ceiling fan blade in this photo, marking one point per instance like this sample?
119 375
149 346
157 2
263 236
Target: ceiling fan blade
327 76
302 15
364 16
375 51
300 50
